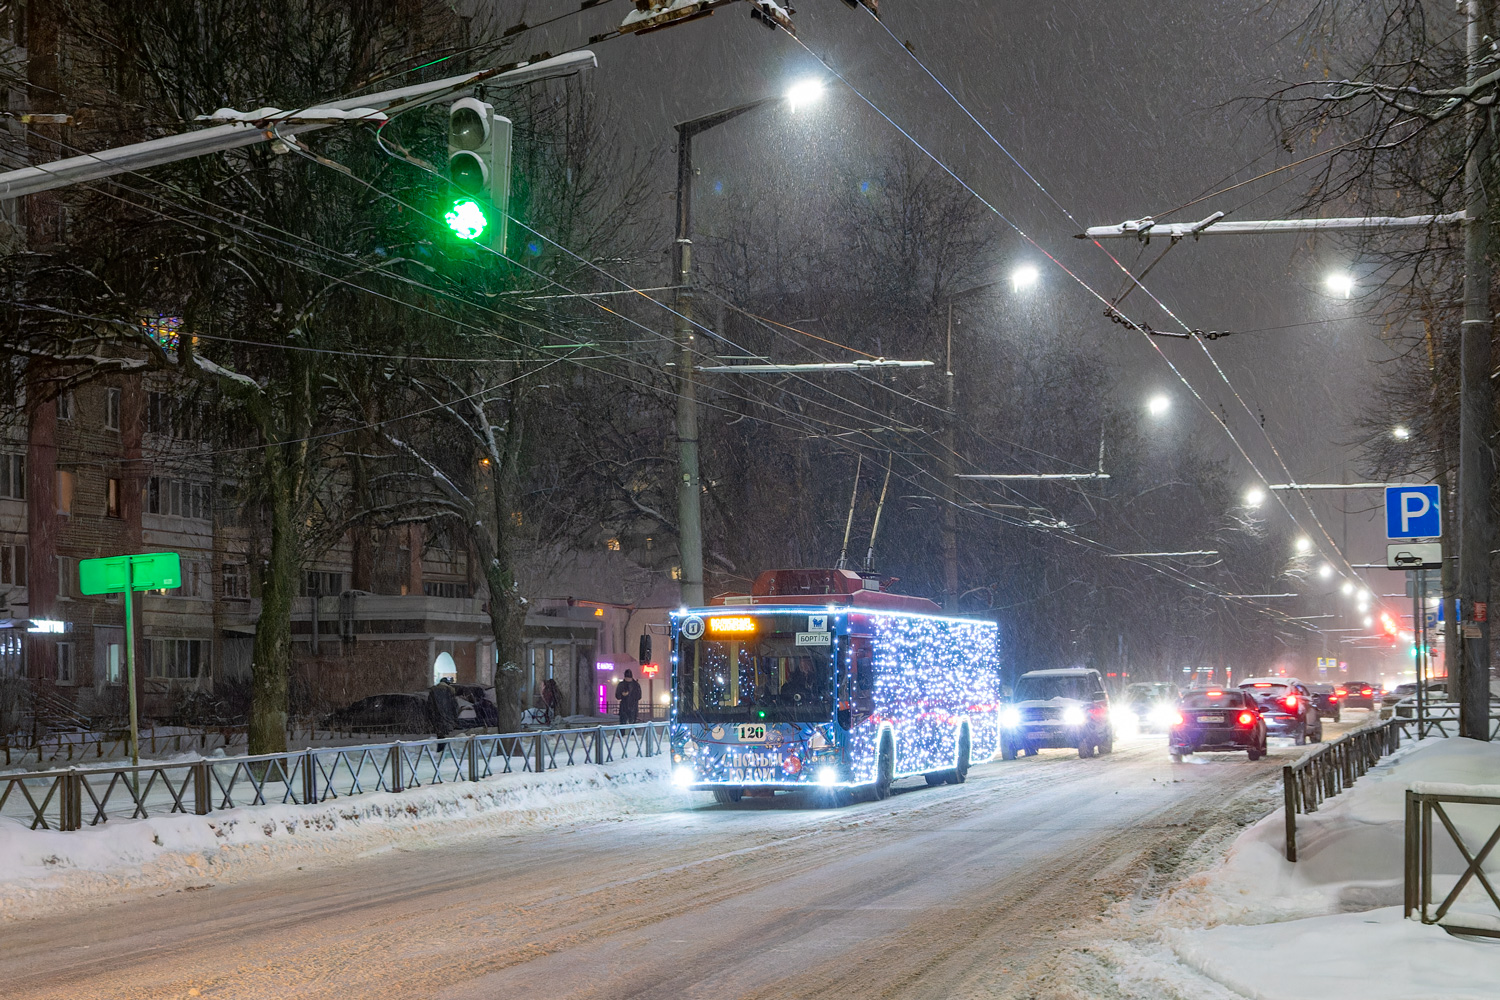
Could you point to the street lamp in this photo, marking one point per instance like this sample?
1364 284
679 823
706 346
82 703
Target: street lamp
1158 404
1400 432
1347 588
1304 544
689 485
804 92
1024 277
1255 496
1340 284
1325 571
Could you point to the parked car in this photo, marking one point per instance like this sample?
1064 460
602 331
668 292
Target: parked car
1361 694
1330 702
1217 719
404 714
1057 708
1287 707
1152 705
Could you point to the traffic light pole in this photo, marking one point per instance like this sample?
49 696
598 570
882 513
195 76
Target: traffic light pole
135 732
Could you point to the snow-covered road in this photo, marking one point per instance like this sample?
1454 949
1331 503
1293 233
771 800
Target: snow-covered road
954 891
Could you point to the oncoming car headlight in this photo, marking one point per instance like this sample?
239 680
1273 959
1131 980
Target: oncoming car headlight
1010 717
1073 716
682 777
1163 715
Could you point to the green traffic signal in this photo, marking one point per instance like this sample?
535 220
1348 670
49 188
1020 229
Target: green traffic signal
466 219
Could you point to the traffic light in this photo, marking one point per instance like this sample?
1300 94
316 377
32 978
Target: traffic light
479 172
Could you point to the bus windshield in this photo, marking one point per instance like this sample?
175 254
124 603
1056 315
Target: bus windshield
771 670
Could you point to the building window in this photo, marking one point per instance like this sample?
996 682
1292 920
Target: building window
177 498
677 572
236 582
65 663
316 583
437 588
176 659
111 409
13 563
67 574
172 418
114 663
12 654
613 545
65 406
64 492
13 477
112 497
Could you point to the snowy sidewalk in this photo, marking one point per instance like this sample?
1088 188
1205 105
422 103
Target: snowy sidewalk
45 871
1330 926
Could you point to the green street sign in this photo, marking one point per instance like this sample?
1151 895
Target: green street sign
148 571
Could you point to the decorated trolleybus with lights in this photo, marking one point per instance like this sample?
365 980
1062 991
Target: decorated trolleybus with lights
826 679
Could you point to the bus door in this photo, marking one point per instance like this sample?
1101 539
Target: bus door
857 683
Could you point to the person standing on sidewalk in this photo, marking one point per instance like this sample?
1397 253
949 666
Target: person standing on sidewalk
628 693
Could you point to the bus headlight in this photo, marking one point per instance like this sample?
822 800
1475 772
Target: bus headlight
682 777
1073 716
1010 717
828 775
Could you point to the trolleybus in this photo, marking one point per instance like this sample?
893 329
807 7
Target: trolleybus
826 679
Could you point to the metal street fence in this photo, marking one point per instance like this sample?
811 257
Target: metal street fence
1440 719
77 797
1422 803
1331 768
68 746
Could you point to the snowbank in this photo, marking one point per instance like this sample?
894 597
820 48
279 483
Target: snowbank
1338 908
42 870
1349 851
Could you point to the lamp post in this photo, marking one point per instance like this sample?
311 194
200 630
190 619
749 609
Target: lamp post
689 485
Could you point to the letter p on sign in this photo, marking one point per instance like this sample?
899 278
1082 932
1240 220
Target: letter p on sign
1413 512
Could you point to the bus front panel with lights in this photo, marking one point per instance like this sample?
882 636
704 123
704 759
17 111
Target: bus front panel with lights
797 696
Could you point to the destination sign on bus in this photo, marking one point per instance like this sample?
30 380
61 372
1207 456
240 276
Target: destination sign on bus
731 626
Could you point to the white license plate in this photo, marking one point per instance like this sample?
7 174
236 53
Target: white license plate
753 733
1210 718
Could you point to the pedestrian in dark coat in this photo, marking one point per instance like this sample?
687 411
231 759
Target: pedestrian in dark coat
628 693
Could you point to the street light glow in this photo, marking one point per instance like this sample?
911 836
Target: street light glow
1369 621
804 92
1325 571
1158 405
1340 284
1254 497
1347 588
1304 544
1024 277
1400 432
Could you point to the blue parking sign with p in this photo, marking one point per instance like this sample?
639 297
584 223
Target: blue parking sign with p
1413 512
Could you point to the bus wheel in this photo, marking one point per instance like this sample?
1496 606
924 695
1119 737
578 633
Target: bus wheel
885 769
725 796
961 769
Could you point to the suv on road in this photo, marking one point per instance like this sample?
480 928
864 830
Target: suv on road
1361 694
1057 708
1153 703
1287 707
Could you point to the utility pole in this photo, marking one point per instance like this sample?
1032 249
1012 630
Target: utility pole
1476 467
950 484
689 487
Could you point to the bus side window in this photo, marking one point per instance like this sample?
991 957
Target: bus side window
861 687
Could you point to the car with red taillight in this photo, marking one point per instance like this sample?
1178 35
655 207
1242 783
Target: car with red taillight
1217 719
1361 694
1330 701
1287 707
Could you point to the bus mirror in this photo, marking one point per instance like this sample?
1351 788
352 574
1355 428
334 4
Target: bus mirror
645 649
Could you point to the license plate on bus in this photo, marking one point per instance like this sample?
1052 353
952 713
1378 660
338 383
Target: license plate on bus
753 733
1210 718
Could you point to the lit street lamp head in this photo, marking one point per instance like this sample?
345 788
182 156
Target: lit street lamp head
1304 544
1255 496
1158 404
1400 432
804 92
1340 284
1024 277
1325 571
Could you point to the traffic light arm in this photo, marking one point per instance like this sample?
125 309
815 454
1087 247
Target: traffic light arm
219 138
